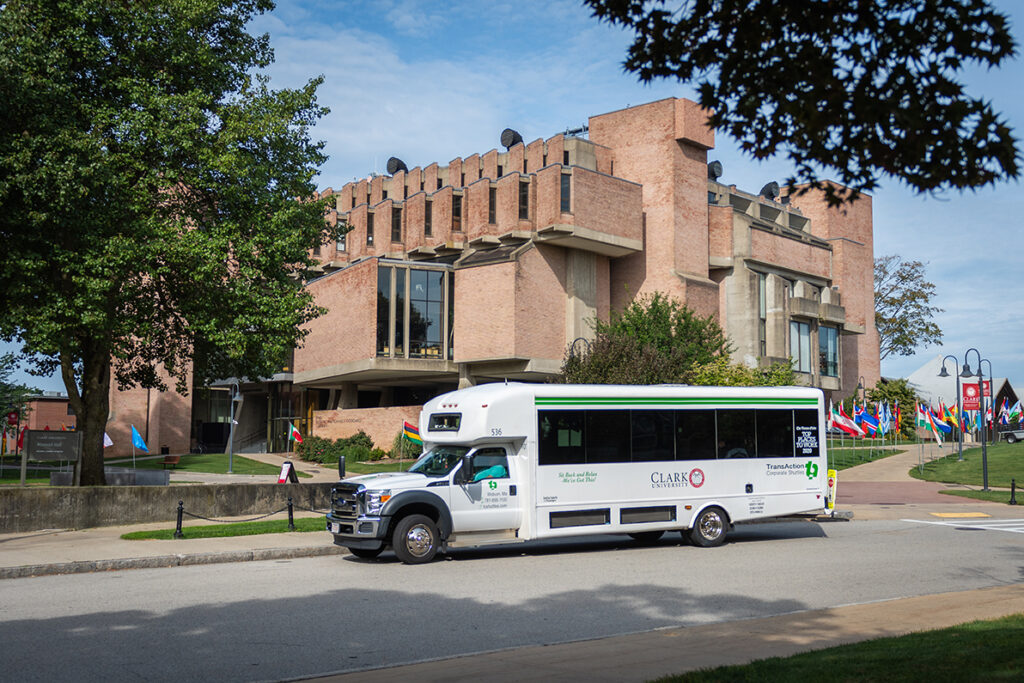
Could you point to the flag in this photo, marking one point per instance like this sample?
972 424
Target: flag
1015 412
943 427
137 441
293 434
884 418
107 441
21 437
1004 413
858 413
841 419
933 424
870 423
411 433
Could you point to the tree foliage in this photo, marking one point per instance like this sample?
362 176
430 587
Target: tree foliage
903 310
897 392
720 372
148 185
12 395
864 88
655 340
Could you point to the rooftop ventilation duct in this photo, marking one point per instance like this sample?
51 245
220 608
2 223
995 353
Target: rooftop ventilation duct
770 190
510 138
715 170
395 165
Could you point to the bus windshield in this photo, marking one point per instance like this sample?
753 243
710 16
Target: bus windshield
439 461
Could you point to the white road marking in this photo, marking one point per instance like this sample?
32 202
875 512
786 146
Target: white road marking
1012 525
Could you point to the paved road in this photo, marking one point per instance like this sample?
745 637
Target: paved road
275 620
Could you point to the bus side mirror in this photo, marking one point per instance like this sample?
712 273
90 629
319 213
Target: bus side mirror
465 473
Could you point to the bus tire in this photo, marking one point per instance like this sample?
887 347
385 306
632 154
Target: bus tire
366 553
646 537
709 528
415 539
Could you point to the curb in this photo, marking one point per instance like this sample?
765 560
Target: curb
160 561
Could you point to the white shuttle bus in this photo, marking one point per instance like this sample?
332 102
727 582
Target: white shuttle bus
504 463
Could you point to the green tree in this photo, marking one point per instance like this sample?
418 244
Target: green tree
720 372
655 340
12 395
148 197
903 310
864 89
897 392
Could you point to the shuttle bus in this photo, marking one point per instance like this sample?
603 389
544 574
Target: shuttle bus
506 463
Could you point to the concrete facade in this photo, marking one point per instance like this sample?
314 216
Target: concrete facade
488 267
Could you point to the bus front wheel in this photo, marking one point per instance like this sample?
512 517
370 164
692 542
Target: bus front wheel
415 539
709 528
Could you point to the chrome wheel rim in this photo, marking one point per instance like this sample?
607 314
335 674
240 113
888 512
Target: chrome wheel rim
710 525
419 540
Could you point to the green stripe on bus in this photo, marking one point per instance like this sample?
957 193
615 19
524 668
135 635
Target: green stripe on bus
670 401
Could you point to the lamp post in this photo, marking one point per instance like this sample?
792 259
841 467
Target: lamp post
981 379
944 373
236 398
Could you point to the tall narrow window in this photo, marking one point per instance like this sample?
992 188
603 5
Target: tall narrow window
828 350
462 179
383 311
400 299
565 157
369 229
384 194
428 219
524 201
396 224
450 322
566 192
800 345
492 201
439 183
501 170
426 297
762 314
456 212
341 243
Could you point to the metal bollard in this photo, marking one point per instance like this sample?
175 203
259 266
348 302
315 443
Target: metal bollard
291 520
1013 492
181 511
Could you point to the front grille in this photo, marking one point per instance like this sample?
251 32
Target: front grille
344 502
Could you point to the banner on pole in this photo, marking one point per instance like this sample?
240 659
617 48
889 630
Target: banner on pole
972 397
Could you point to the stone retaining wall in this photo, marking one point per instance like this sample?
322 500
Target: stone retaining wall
33 509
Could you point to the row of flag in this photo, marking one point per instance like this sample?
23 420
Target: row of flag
868 420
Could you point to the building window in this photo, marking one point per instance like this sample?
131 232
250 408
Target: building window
762 314
421 313
492 200
439 183
501 170
456 212
340 245
565 157
71 411
369 229
800 345
405 192
566 192
384 194
828 350
524 201
396 224
428 219
462 179
524 164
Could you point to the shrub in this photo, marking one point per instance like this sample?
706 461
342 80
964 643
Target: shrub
357 453
403 449
355 448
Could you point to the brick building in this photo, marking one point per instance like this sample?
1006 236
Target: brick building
486 268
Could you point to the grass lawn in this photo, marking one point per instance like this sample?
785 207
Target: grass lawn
367 467
276 526
841 458
990 495
1005 462
10 474
978 651
211 463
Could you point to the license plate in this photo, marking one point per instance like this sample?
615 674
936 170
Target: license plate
335 528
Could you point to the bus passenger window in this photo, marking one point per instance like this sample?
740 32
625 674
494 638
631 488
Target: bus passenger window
695 435
774 433
560 437
736 434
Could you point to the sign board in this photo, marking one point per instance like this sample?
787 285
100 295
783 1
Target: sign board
46 445
986 388
972 397
12 418
288 474
833 484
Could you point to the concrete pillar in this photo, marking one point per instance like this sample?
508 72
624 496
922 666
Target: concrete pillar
466 378
348 396
581 293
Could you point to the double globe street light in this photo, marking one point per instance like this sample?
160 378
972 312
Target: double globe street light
967 373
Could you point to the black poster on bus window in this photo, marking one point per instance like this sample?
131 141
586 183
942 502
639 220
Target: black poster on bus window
807 440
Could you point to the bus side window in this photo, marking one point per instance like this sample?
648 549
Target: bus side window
490 463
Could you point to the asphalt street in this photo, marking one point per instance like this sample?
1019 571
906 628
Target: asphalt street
298 618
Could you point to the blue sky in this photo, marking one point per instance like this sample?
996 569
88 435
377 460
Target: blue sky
428 81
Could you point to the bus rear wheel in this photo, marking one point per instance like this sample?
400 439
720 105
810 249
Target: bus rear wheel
415 539
709 528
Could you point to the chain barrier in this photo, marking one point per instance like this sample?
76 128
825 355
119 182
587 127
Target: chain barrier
291 521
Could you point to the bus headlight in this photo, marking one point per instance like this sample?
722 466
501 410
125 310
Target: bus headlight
375 501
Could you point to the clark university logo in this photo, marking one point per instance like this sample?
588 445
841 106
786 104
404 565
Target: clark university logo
696 478
812 470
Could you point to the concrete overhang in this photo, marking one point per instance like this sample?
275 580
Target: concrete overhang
585 239
379 371
520 369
